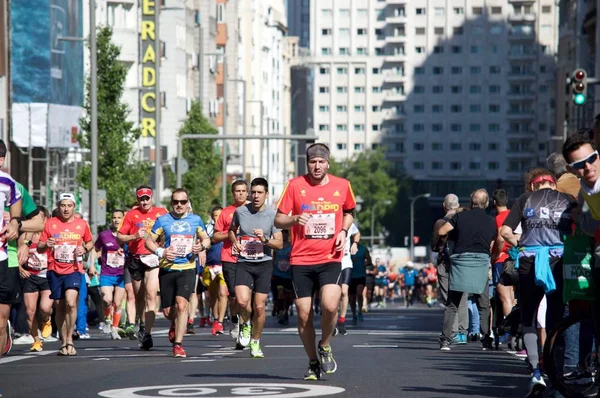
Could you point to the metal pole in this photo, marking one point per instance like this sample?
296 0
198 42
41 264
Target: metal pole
179 157
372 226
224 160
30 157
262 117
201 69
94 120
157 151
244 109
412 228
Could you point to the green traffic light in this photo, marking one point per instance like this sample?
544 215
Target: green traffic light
579 99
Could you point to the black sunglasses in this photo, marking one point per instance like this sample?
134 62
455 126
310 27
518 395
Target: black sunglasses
179 202
580 164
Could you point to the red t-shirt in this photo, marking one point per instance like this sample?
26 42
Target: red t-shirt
68 236
499 222
314 243
136 219
222 225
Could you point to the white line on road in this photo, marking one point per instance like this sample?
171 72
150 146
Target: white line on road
285 346
21 357
374 346
197 360
108 349
217 354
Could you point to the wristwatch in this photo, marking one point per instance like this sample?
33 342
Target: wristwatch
29 243
266 240
202 246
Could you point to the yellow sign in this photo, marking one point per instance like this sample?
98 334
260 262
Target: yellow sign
149 68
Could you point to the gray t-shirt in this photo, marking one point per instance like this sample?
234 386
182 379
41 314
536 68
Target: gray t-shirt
249 220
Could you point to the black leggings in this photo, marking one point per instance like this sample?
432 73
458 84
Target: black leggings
95 296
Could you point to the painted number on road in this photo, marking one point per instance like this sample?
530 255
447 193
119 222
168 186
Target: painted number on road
238 390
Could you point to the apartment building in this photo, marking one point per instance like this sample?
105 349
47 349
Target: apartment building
458 91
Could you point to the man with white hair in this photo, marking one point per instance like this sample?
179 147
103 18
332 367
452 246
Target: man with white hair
442 246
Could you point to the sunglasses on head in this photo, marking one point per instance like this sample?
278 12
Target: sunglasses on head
580 164
179 202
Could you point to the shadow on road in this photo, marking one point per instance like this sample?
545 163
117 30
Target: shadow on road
252 376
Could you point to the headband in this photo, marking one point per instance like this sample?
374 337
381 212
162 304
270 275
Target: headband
545 178
143 192
317 151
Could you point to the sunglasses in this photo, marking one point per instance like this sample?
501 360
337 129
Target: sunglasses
179 202
580 164
143 198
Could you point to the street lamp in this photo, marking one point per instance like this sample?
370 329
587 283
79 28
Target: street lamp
412 222
385 202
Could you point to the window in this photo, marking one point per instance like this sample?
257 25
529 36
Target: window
492 146
419 108
362 13
418 146
457 31
475 89
400 148
456 128
376 71
359 71
438 70
323 127
436 146
326 32
438 89
474 165
375 127
439 11
474 50
493 127
323 108
341 108
359 108
342 89
438 31
399 127
342 71
494 70
474 146
456 49
542 126
438 49
456 108
456 70
359 127
493 49
358 146
341 127
494 89
344 51
359 89
323 90
437 108
436 165
361 51
477 10
344 13
361 31
458 10
493 166
344 32
419 31
546 9
341 146
494 108
326 51
421 11
496 10
455 146
418 165
474 127
420 50
326 13
418 127
437 127
375 108
221 12
496 30
419 70
376 90
418 89
378 51
543 88
475 108
323 71
455 165
475 70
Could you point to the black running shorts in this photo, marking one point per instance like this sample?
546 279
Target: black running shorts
346 276
229 271
175 284
35 284
10 285
257 276
307 279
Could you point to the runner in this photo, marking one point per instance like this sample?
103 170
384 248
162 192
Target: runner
410 275
350 249
112 282
35 287
184 238
430 276
319 210
381 282
65 239
371 271
239 189
253 235
360 259
143 265
281 284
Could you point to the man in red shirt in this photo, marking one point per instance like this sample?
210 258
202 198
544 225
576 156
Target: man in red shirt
65 239
239 189
143 265
318 209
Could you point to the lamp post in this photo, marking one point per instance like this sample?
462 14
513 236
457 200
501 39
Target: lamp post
412 222
244 123
385 202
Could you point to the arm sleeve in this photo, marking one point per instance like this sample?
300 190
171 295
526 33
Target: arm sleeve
124 227
87 235
235 221
353 230
15 194
220 224
98 244
350 202
286 202
453 221
45 235
201 226
157 229
516 213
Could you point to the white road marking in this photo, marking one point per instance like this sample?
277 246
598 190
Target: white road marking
197 360
16 358
374 346
217 354
108 349
285 346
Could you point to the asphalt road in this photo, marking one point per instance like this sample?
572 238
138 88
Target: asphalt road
394 353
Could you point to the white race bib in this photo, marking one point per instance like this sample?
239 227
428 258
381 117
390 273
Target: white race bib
65 252
182 244
320 226
253 248
115 260
37 261
215 270
151 260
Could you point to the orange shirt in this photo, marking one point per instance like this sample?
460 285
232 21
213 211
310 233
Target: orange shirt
314 243
68 236
222 225
499 222
136 219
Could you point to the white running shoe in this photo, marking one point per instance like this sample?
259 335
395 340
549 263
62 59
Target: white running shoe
235 331
537 386
114 334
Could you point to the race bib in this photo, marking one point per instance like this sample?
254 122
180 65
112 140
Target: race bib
320 226
151 260
115 260
182 244
283 265
37 261
253 248
215 270
65 253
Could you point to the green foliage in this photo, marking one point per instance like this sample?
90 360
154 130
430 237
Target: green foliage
371 178
118 173
204 163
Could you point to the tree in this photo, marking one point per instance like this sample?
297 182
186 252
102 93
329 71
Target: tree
204 162
370 175
118 172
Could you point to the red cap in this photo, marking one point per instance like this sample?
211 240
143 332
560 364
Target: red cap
143 192
545 178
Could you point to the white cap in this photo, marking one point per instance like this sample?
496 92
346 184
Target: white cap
410 264
67 196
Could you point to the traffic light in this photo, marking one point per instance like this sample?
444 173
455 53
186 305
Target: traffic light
579 86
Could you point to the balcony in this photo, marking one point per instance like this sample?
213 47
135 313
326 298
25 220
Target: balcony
514 76
518 55
394 18
520 154
521 36
520 115
521 1
528 95
128 40
520 135
393 77
521 17
393 114
394 58
392 96
399 38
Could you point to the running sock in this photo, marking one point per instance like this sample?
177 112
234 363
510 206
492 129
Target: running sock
116 318
342 319
190 320
176 343
107 312
255 341
530 339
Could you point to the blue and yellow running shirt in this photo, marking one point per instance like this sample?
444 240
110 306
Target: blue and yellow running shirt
180 234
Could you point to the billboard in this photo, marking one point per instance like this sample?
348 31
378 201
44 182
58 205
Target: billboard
149 61
46 64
